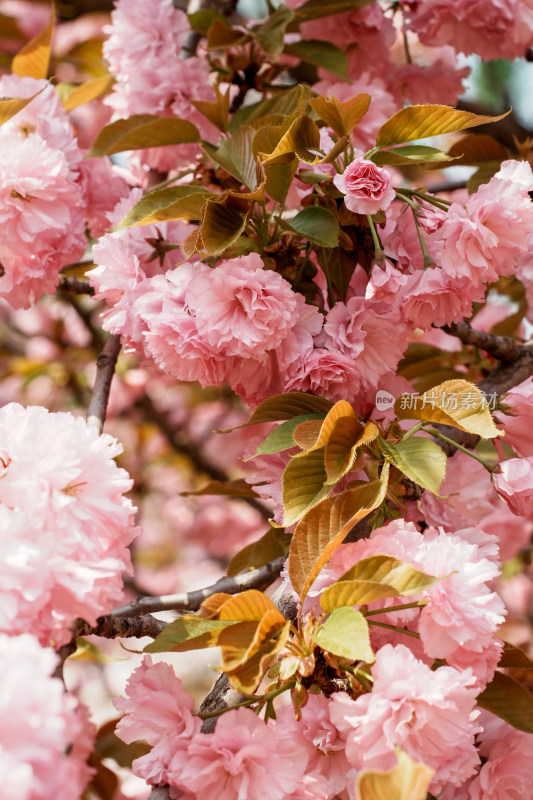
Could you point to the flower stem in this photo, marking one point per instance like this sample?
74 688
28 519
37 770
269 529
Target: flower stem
260 700
490 466
416 604
393 627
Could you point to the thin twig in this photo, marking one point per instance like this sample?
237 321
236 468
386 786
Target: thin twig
258 578
160 793
105 369
67 283
501 347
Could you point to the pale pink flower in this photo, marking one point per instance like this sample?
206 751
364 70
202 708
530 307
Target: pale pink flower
45 735
507 772
155 706
434 76
241 309
517 420
485 27
433 297
366 187
484 239
401 240
327 373
429 714
64 523
515 484
244 759
103 190
366 331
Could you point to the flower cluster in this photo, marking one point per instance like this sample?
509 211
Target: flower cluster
65 525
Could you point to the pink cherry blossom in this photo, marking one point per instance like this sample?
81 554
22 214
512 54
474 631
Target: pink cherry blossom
429 714
515 484
485 27
433 297
366 187
64 523
45 735
517 420
328 373
508 769
244 759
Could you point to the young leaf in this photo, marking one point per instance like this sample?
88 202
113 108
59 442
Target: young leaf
273 544
201 21
300 139
318 225
422 121
33 60
88 91
221 35
422 460
315 9
216 112
303 485
222 224
306 433
278 179
345 634
341 115
374 578
236 156
457 403
163 205
323 54
347 436
247 606
509 700
286 406
9 106
341 409
411 154
143 130
281 438
324 528
246 668
187 633
409 780
270 34
477 149
514 658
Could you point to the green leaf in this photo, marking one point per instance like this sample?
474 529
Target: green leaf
323 54
422 460
345 634
281 438
509 700
163 205
303 485
33 60
278 179
9 106
270 34
421 121
143 130
283 103
273 544
286 406
318 225
188 633
236 156
315 9
323 529
457 402
222 224
373 579
411 154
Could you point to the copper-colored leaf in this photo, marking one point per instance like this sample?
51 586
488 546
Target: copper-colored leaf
88 91
143 130
273 544
341 115
323 529
409 780
9 106
422 121
303 484
33 60
347 436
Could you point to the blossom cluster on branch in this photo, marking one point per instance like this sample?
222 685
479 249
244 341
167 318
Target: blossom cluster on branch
256 207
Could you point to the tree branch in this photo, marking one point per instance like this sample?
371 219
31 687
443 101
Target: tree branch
258 578
105 369
111 627
181 445
68 283
501 347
